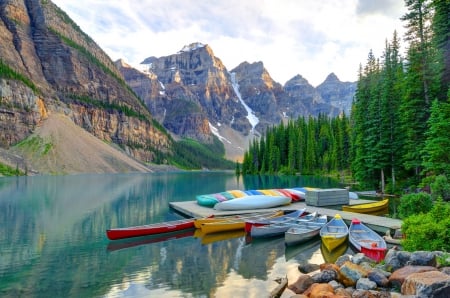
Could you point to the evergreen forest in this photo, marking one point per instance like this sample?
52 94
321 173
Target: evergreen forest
398 133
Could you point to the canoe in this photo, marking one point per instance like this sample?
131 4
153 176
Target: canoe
233 224
209 200
367 240
211 219
305 231
367 208
334 233
151 229
277 229
133 242
253 202
250 223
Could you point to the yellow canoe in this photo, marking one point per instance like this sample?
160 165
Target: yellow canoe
334 233
367 208
234 224
199 221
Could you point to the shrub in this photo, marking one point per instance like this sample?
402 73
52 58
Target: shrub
428 231
414 203
440 188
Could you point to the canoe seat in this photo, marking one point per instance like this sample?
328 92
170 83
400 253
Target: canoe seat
336 229
360 231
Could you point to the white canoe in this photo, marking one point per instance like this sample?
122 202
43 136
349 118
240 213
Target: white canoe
253 202
276 229
304 231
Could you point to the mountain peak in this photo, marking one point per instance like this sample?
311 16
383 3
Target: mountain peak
332 78
191 47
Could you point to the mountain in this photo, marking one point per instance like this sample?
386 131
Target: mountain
336 93
194 96
48 66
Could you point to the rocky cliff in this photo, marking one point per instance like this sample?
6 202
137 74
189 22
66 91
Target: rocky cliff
48 65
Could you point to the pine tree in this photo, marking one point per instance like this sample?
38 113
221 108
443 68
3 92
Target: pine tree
436 151
441 39
419 84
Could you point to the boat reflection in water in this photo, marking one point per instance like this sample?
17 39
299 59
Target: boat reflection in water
302 251
220 236
332 256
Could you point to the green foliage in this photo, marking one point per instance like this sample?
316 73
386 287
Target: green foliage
108 106
305 146
414 203
36 145
443 260
428 231
9 73
436 156
440 188
190 154
6 170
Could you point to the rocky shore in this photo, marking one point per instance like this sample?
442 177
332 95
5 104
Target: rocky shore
401 274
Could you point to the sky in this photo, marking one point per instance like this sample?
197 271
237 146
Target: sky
308 37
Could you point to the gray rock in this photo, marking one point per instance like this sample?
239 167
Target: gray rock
335 285
360 258
342 259
422 258
365 284
324 276
378 277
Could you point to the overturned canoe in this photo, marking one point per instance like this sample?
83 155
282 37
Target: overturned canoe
253 202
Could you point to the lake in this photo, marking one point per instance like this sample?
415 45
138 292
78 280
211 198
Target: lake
53 242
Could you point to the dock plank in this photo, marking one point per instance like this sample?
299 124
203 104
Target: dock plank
377 223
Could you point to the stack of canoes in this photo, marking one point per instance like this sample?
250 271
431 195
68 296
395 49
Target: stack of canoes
253 202
210 200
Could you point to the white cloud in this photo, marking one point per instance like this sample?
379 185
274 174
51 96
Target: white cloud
311 38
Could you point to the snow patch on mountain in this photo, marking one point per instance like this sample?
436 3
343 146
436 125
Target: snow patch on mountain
192 47
250 114
215 132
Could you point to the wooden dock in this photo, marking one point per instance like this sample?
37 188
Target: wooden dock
377 223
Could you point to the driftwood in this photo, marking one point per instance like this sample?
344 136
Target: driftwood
276 293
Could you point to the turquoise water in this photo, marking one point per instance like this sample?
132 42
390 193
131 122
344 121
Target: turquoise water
53 243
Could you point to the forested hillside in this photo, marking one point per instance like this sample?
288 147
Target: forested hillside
399 130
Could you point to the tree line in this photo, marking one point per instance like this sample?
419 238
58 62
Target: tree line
398 132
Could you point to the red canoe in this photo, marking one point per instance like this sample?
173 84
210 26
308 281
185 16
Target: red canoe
151 229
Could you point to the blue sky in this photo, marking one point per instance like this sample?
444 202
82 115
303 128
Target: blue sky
308 37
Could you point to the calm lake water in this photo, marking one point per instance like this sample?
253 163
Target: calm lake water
53 242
